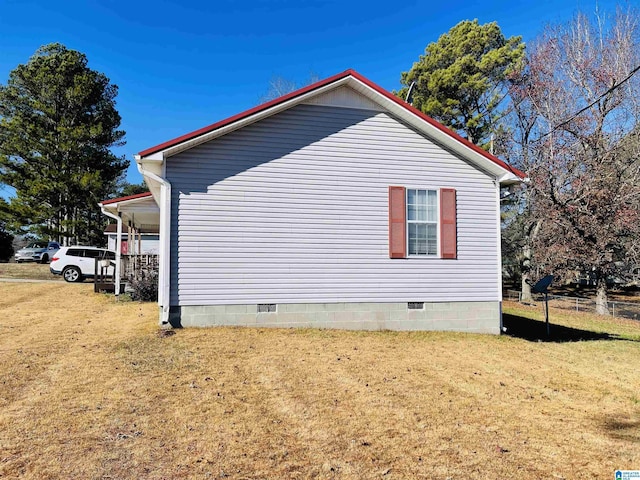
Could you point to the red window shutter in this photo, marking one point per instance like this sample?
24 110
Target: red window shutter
448 228
397 223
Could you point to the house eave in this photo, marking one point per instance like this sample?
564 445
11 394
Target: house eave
510 179
125 200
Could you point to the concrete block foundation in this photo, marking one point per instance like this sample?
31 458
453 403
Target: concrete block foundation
472 317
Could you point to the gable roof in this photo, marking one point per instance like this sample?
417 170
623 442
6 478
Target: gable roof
126 199
362 85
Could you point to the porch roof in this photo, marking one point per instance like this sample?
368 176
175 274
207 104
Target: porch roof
139 210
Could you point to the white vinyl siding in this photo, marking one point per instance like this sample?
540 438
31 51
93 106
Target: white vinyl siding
294 209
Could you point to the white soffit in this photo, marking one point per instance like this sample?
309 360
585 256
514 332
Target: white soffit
141 204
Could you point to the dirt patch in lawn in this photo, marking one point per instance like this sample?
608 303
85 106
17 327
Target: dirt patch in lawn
91 390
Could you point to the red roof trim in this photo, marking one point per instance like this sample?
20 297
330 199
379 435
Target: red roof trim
320 84
124 199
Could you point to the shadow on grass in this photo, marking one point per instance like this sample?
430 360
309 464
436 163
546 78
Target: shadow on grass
622 428
536 331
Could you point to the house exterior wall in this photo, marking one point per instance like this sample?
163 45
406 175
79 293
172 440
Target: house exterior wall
294 210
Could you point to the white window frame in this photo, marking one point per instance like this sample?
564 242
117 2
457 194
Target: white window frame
436 222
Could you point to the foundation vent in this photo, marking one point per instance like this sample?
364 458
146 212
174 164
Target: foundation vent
415 306
266 308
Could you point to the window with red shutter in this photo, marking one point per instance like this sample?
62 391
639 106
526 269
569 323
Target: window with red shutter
414 226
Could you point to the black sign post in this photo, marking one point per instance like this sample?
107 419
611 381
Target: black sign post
542 286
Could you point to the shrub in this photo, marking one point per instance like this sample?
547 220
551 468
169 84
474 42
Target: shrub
145 286
6 246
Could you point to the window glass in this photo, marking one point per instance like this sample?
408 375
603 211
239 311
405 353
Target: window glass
92 253
432 204
75 252
422 221
432 239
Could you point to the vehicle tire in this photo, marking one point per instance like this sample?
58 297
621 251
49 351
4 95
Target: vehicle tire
45 258
72 274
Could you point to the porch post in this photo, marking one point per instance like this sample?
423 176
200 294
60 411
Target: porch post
117 272
118 219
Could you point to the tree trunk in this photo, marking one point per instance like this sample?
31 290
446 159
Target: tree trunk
602 308
525 294
532 232
64 229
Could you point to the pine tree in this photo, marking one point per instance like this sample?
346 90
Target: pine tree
461 79
58 123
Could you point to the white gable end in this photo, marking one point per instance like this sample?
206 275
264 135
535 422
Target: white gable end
344 97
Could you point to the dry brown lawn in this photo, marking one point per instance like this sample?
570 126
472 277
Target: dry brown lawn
90 390
30 271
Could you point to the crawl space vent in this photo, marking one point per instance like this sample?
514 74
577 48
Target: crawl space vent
266 308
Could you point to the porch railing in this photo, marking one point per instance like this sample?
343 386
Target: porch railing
133 265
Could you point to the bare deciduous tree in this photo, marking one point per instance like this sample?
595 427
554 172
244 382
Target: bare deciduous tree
581 147
279 86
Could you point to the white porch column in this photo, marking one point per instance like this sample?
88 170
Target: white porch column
117 272
118 267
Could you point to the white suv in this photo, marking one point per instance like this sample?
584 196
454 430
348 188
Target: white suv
77 263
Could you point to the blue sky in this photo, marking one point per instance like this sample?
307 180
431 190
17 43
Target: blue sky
183 65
